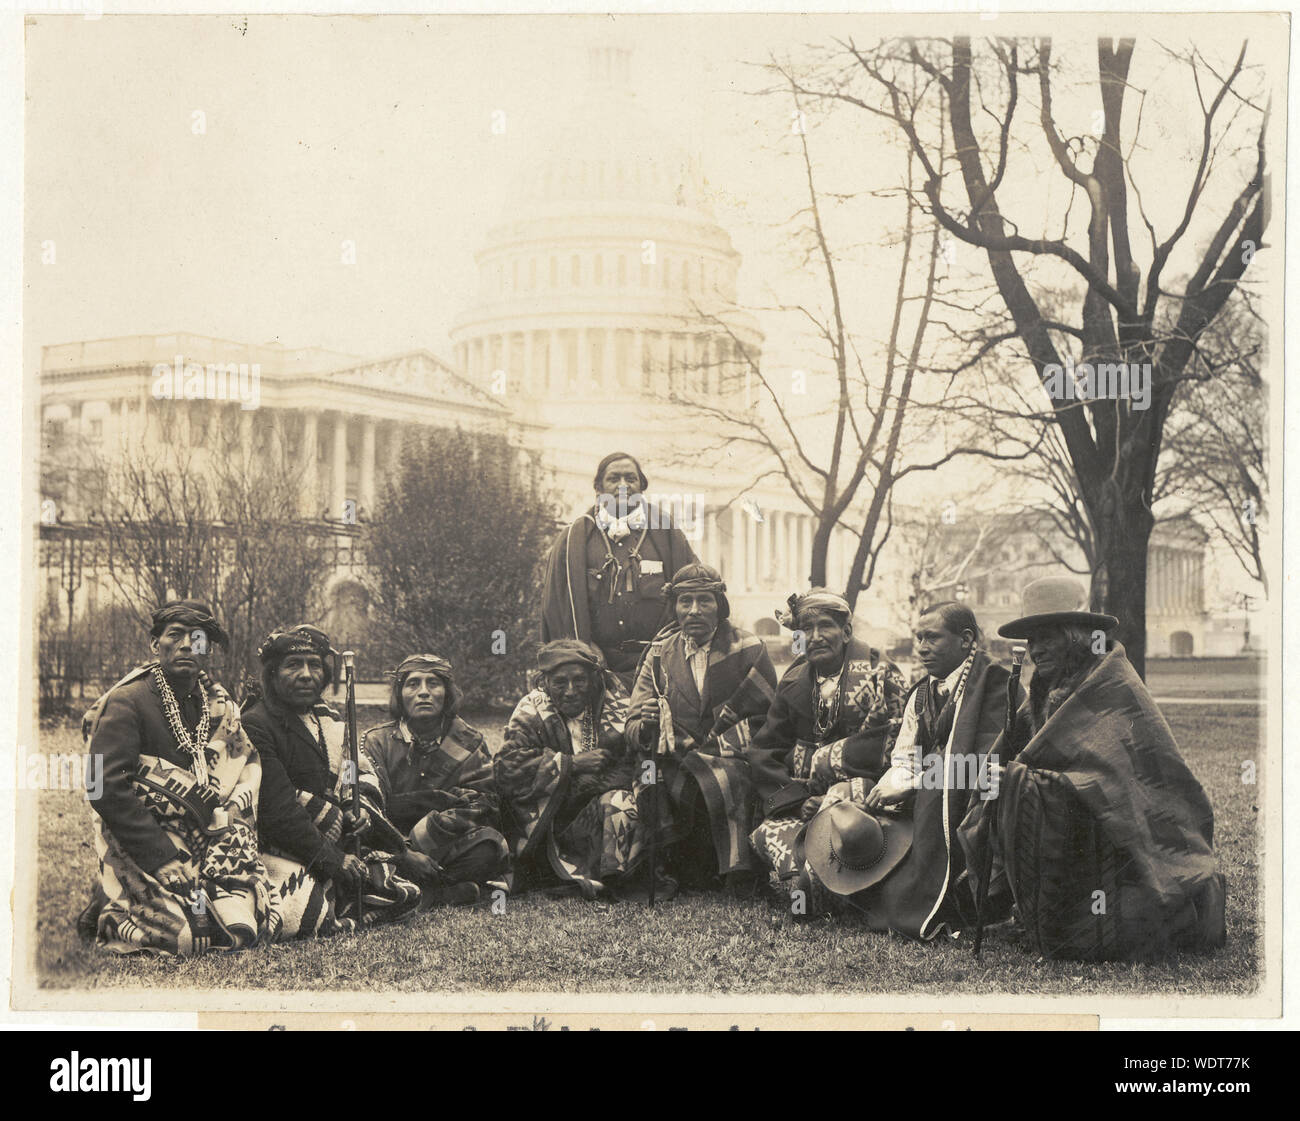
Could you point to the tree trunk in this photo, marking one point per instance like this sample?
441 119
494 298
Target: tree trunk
820 549
1120 585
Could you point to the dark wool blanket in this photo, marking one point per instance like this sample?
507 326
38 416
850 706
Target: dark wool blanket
1104 832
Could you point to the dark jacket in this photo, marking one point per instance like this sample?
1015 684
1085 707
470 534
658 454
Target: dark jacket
132 724
292 760
791 716
571 582
926 889
453 780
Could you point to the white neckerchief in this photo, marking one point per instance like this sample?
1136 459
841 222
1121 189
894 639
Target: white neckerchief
618 528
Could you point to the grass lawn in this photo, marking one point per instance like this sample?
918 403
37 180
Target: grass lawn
695 943
1202 677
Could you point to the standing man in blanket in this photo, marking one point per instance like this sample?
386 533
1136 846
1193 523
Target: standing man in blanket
306 824
606 572
179 872
718 681
836 710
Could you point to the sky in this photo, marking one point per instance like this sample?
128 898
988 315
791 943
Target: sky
200 174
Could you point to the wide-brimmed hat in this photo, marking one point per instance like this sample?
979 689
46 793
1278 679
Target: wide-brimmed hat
850 849
1055 599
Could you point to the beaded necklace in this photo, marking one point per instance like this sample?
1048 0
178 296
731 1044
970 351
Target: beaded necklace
825 713
631 570
194 745
588 732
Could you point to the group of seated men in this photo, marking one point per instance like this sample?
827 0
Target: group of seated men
927 809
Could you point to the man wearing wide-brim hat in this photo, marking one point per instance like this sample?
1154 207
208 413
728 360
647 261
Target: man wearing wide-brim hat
1104 832
1055 601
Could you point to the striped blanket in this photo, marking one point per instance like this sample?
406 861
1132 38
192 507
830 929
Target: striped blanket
702 744
312 906
1105 832
579 829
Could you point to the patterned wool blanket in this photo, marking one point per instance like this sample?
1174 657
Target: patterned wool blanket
703 737
213 825
442 794
790 762
1105 833
581 828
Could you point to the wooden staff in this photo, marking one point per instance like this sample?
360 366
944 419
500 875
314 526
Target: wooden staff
652 795
1013 703
354 760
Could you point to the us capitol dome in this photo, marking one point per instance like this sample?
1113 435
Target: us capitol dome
604 292
606 313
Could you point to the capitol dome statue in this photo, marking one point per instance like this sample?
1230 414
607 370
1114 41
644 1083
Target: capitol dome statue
609 281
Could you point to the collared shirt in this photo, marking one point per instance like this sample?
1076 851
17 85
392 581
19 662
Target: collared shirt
697 657
635 614
904 771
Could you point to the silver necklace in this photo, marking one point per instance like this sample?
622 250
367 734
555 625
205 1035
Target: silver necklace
195 745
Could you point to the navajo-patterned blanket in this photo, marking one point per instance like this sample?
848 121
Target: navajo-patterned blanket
1105 833
582 829
783 753
214 828
702 747
311 906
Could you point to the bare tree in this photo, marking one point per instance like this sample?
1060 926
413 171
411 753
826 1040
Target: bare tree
939 91
1213 459
846 477
1214 463
218 524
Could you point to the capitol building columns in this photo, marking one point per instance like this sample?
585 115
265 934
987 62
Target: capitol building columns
339 466
627 358
367 480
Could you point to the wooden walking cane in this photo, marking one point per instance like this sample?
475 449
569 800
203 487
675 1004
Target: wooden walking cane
652 795
354 760
1013 698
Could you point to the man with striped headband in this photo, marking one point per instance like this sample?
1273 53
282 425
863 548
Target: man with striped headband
835 712
435 772
717 682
